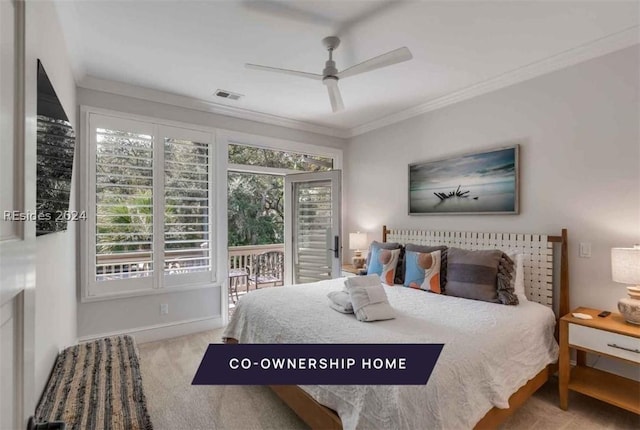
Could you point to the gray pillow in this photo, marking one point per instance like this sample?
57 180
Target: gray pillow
473 274
506 274
427 249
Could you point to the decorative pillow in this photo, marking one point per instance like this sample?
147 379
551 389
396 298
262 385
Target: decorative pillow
473 274
517 274
383 245
383 263
422 270
388 245
443 259
505 283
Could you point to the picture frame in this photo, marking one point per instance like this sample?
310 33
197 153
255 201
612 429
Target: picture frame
485 182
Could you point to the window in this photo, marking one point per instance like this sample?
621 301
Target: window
150 207
256 190
124 204
255 209
271 158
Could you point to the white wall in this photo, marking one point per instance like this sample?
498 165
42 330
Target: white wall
140 315
580 164
55 304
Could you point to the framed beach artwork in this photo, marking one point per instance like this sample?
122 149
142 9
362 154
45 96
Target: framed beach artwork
478 183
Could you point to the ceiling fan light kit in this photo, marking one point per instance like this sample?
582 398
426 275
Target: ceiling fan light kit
330 75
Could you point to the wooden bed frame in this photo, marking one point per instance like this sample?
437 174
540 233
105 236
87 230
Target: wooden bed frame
318 416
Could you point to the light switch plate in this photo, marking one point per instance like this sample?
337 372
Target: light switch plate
585 250
164 309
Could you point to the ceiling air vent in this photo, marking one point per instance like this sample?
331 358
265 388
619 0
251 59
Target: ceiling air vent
228 95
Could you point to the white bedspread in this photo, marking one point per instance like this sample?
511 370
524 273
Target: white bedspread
490 351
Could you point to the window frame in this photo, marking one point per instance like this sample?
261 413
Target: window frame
246 139
158 282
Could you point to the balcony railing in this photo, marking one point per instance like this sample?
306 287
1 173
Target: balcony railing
243 257
121 266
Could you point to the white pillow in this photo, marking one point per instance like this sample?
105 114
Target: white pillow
517 281
518 285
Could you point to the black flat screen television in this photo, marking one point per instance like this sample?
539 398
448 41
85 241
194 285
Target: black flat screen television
55 150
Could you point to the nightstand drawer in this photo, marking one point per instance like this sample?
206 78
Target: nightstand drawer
605 342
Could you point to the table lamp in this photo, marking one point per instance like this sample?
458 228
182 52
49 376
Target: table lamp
358 242
625 268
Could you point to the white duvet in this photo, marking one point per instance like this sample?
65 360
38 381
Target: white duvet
490 351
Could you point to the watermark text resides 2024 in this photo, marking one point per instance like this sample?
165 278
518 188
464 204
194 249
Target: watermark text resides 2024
57 216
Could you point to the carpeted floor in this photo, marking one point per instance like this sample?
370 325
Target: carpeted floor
168 367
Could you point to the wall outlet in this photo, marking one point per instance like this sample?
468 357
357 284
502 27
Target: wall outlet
585 250
164 309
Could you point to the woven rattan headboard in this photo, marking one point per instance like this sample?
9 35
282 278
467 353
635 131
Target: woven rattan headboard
538 251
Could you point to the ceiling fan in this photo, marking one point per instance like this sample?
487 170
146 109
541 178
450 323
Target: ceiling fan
330 75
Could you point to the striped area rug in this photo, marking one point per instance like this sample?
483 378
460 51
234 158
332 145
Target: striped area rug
96 385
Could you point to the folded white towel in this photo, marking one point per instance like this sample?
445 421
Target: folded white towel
368 298
340 301
362 281
340 309
375 312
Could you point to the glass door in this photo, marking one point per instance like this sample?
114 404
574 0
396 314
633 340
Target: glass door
313 248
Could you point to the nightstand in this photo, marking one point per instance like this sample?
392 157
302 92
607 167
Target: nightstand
610 337
349 270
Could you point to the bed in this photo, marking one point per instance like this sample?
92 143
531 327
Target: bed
473 384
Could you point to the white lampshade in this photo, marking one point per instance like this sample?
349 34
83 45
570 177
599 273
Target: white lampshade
625 265
358 241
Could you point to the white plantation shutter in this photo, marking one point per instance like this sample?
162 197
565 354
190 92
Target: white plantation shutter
312 224
124 204
313 227
150 212
188 209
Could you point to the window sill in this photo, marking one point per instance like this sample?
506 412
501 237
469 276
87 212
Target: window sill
149 292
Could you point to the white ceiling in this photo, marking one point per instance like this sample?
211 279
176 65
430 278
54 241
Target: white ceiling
192 48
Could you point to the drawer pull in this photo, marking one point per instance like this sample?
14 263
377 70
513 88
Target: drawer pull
613 345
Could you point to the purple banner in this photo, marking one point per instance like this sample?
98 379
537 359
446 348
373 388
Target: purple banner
317 364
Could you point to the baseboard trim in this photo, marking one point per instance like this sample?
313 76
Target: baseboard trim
163 331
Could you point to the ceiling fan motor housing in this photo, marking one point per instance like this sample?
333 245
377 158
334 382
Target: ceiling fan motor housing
330 69
331 42
329 79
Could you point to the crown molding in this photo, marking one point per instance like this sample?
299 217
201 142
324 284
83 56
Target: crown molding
570 57
128 90
588 51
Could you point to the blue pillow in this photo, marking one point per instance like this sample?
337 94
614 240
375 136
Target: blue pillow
422 270
384 263
375 266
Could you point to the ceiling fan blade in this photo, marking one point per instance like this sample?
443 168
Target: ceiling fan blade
392 57
285 71
334 94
